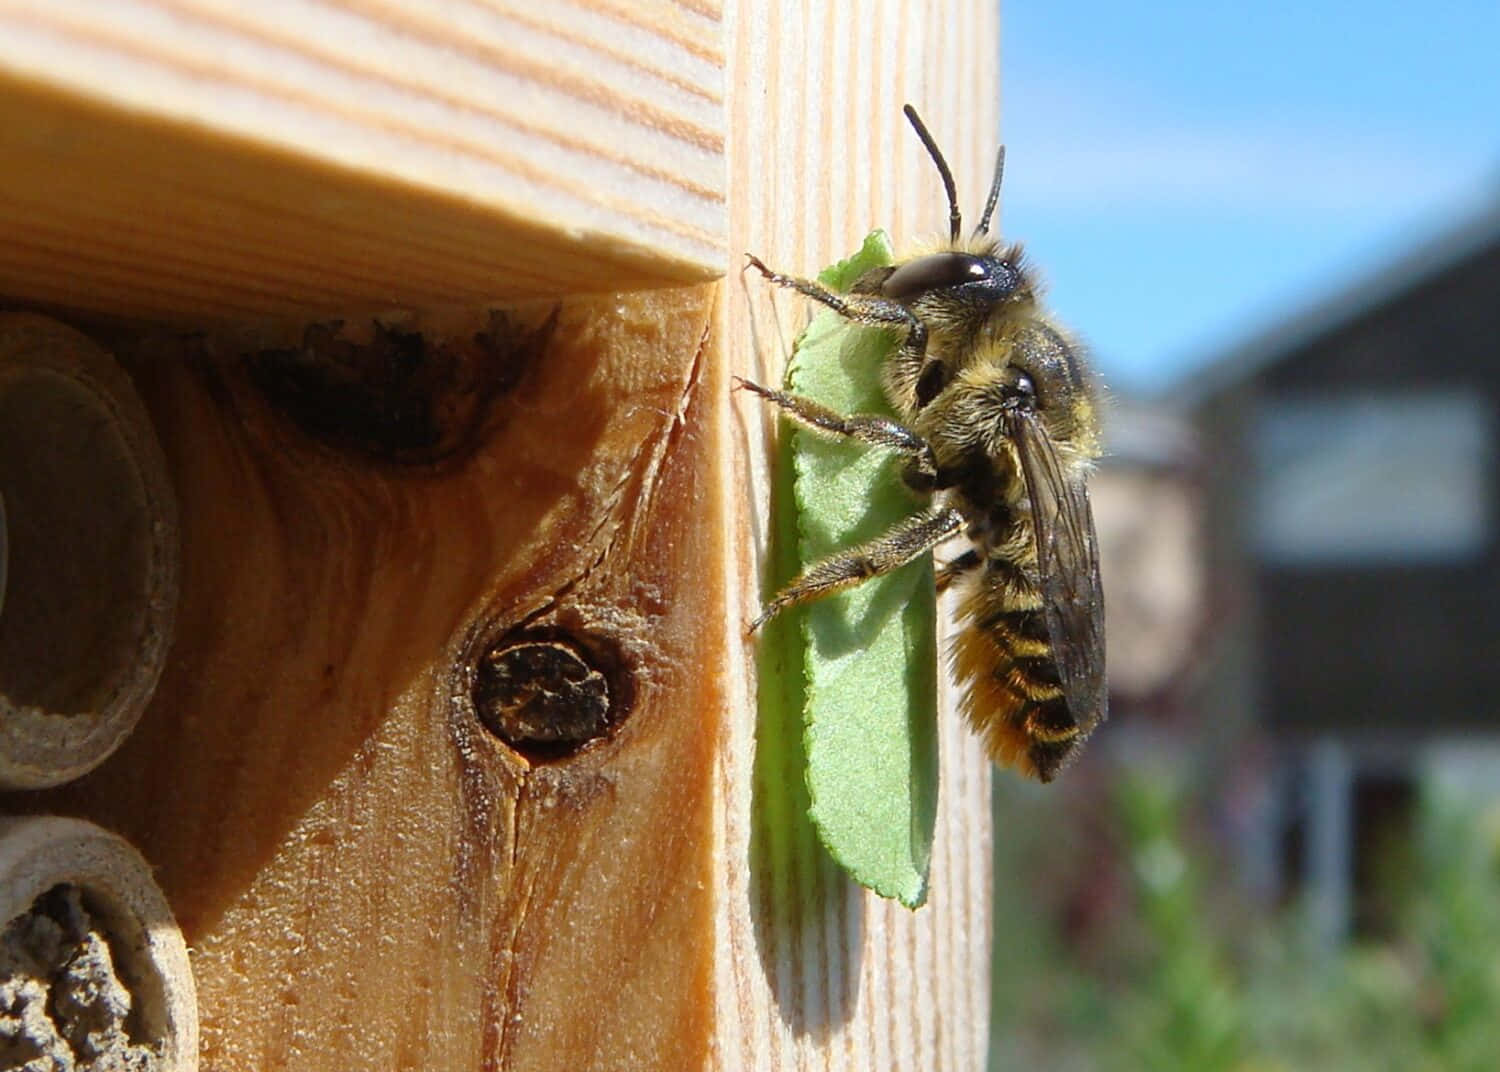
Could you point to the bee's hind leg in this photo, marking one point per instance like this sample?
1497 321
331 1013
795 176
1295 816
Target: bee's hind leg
953 569
894 548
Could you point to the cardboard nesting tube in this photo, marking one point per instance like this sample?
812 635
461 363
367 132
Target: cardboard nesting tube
123 956
91 549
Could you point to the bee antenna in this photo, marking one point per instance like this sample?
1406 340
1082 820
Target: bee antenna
994 198
955 223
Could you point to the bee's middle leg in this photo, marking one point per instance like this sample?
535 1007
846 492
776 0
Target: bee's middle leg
893 549
862 427
928 377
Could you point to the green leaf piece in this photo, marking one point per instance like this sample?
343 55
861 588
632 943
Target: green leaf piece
868 656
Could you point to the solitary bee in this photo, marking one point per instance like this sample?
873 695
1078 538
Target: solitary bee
998 430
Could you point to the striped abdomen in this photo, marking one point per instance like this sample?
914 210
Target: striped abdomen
1014 696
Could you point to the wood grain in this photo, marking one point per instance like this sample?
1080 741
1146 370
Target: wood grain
815 972
203 159
367 877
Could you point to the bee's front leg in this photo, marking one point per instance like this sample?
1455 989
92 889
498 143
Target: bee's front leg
861 427
871 310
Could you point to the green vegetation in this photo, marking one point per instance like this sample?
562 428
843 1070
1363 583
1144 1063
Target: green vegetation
855 672
1157 969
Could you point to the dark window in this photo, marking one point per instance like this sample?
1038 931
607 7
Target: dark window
1373 478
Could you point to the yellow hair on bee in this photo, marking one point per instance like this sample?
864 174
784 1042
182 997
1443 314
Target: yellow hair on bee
993 710
1020 716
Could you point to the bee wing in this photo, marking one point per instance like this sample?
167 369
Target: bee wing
1067 557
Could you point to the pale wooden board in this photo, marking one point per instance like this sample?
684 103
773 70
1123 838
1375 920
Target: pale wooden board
367 878
201 159
365 881
815 973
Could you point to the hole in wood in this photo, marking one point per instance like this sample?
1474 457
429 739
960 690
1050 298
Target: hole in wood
77 542
91 554
394 394
546 693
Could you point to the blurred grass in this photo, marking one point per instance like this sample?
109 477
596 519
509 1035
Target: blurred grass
1135 954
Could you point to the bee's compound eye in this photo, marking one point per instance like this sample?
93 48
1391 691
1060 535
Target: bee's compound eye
936 271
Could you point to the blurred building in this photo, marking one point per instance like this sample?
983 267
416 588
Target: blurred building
1148 506
1351 488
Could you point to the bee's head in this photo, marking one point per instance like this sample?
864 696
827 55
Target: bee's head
984 279
1046 375
970 279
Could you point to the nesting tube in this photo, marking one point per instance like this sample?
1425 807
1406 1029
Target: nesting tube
90 546
96 967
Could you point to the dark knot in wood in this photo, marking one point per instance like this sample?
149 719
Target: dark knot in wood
546 695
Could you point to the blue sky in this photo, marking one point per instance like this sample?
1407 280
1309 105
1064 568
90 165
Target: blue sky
1183 172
